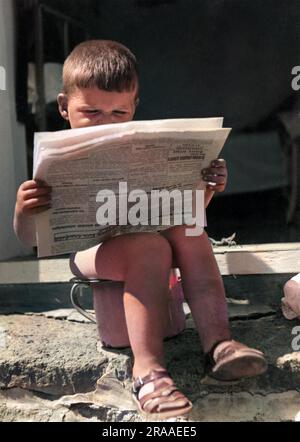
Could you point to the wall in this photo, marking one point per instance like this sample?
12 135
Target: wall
12 139
210 57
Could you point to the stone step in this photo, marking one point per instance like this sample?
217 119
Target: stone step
54 370
258 289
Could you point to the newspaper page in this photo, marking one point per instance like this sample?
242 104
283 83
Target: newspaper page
101 176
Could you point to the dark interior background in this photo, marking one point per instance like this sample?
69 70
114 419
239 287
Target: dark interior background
197 59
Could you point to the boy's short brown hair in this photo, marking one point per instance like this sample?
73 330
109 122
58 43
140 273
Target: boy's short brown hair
105 64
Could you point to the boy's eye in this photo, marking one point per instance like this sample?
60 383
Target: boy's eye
96 111
116 112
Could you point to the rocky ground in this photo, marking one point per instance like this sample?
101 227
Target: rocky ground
53 369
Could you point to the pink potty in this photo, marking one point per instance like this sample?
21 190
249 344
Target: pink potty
110 314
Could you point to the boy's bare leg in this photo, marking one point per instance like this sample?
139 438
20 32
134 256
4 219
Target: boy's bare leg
143 262
226 359
202 284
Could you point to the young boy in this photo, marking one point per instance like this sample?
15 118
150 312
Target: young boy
100 87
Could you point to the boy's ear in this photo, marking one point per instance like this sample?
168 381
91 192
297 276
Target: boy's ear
62 101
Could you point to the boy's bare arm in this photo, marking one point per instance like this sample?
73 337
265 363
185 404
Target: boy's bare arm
208 196
24 228
33 197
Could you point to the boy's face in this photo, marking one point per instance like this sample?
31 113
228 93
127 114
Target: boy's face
93 107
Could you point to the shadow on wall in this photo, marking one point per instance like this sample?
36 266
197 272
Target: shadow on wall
214 57
209 58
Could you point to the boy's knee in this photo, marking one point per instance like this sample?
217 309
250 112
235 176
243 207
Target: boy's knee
178 237
155 243
153 247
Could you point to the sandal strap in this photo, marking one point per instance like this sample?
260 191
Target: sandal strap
213 365
164 396
209 360
165 390
154 374
158 406
165 399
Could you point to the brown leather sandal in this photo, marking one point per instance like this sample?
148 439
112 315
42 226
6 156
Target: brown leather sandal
164 402
233 362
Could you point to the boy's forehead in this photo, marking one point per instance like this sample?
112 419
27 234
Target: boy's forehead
94 95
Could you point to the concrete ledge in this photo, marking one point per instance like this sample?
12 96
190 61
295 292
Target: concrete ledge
232 260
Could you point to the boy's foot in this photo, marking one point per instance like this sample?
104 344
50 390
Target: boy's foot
231 361
158 398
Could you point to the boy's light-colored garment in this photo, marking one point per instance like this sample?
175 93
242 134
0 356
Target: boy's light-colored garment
291 302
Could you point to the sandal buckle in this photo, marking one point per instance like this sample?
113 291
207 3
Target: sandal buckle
138 383
140 380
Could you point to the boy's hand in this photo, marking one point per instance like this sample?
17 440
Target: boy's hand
216 175
33 197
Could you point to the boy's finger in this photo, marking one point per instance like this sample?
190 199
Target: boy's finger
222 171
34 193
33 184
29 185
220 162
216 187
211 186
215 179
36 202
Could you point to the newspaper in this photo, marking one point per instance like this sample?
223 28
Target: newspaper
123 159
